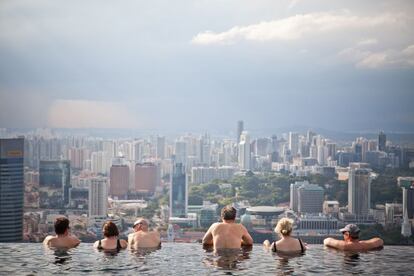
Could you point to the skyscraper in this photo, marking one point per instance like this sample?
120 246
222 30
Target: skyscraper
119 181
11 189
147 178
98 197
178 192
382 141
240 128
407 185
244 151
359 191
310 198
160 147
293 143
54 183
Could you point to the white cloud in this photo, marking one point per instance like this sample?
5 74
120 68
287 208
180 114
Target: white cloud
297 27
390 58
367 42
89 114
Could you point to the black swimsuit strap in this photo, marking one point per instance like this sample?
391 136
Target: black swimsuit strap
301 246
99 245
118 245
274 247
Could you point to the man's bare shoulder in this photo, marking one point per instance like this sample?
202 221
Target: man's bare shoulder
48 239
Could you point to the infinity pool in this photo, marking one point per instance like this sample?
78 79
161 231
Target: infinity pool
191 259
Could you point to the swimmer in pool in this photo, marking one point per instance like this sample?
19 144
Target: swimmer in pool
111 241
286 244
351 240
227 234
142 237
63 238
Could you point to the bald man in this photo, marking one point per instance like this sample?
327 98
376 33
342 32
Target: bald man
142 237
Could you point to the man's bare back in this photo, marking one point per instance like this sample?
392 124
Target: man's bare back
143 239
61 242
227 235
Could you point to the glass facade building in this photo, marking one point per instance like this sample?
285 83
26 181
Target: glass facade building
54 183
178 192
11 189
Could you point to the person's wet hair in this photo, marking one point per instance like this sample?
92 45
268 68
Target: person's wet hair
61 225
228 213
110 229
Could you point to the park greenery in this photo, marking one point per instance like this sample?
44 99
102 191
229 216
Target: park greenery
274 188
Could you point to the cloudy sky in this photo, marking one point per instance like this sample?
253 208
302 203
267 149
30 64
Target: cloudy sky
191 65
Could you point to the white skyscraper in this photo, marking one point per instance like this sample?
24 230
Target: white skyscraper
406 183
244 151
293 143
98 197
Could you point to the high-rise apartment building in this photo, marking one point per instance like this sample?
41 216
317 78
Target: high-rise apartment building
244 151
178 192
98 197
11 189
54 183
359 191
119 181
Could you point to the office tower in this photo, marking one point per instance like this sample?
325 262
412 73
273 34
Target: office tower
407 185
359 191
147 178
178 192
382 141
180 151
98 197
293 143
310 198
240 129
160 147
11 189
54 183
119 181
244 151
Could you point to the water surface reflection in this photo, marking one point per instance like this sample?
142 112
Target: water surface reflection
228 259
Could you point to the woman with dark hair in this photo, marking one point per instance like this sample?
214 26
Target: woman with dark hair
111 241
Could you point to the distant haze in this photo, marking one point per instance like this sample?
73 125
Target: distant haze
338 65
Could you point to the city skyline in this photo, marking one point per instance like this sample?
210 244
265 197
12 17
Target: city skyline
339 66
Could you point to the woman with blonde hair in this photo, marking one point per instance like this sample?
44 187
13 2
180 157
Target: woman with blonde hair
286 244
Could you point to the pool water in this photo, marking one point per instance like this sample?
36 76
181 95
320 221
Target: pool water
192 259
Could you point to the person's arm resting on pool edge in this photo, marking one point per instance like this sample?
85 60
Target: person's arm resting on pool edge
247 240
334 243
208 237
373 243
